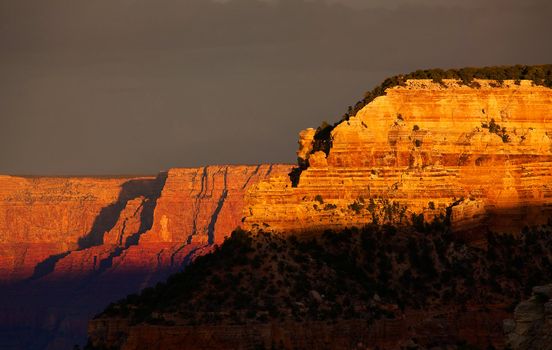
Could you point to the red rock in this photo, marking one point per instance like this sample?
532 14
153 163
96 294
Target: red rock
41 217
423 146
69 246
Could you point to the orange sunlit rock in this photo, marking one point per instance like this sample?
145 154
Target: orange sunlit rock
421 148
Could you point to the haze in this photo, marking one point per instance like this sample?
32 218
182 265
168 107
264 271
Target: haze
135 87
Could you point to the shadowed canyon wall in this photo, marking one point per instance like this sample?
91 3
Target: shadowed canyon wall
485 152
69 246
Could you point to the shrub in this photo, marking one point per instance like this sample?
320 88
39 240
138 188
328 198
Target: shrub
496 129
356 207
330 206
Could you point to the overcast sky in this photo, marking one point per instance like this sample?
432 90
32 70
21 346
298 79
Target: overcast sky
135 86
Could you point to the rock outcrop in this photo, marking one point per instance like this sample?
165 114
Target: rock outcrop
531 327
44 217
484 152
478 155
479 327
69 246
475 154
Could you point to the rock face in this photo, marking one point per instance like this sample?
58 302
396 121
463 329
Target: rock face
69 246
531 327
485 153
478 327
479 156
42 217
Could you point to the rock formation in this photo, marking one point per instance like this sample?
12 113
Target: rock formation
484 151
478 155
43 217
69 246
531 327
425 327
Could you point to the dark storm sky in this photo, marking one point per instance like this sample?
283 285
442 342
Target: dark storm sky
135 86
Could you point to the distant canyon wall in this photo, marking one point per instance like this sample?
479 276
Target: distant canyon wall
69 246
41 216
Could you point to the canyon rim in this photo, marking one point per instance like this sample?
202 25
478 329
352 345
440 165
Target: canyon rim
443 159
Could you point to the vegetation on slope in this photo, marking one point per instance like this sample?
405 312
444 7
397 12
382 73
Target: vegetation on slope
369 273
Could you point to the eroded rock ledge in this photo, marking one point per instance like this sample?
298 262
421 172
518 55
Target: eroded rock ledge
485 152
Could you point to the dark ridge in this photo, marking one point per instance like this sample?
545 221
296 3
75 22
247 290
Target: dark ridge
256 278
539 74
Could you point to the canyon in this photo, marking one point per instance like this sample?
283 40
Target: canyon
484 153
476 157
69 246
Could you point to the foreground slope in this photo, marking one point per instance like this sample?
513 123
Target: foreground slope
374 287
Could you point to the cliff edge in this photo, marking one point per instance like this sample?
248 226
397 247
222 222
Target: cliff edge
478 154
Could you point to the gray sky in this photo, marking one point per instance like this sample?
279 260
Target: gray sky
135 86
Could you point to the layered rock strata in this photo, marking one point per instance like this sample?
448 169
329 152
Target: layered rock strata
43 217
483 152
69 246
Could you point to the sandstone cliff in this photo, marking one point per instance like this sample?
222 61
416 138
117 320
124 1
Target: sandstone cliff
475 154
69 246
485 151
42 217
